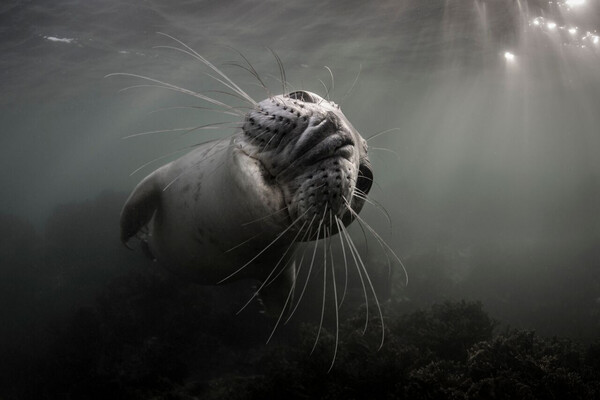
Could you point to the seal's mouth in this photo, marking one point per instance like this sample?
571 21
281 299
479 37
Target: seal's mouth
334 146
345 150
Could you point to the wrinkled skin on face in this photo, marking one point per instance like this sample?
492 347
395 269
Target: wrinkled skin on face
309 150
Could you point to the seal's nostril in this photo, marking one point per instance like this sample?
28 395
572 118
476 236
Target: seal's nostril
301 95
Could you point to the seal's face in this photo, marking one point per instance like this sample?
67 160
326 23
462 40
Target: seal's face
309 149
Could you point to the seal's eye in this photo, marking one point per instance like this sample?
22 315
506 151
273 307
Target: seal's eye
306 97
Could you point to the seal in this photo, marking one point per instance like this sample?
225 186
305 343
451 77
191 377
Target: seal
236 208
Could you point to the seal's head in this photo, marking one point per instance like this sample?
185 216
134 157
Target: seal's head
311 152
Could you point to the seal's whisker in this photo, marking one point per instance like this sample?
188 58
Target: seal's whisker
385 253
326 232
312 262
373 181
234 94
269 141
260 83
352 86
384 149
265 248
243 243
176 89
250 68
195 108
345 263
238 93
373 136
287 84
360 195
290 293
300 264
342 230
197 56
379 239
265 217
186 148
368 278
169 86
190 168
267 279
186 130
158 159
304 236
336 308
364 234
330 91
281 70
326 92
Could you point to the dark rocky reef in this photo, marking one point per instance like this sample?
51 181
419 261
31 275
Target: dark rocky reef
446 352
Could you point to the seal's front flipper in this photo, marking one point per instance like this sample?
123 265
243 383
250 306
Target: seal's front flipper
279 293
139 207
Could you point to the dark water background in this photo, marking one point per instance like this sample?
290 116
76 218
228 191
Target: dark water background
491 177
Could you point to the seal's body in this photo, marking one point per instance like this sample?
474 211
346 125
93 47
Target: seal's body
235 208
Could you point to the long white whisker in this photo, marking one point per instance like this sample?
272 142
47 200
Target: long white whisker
335 299
158 159
234 94
186 130
265 249
194 108
359 194
264 282
342 229
330 91
197 56
276 78
326 97
186 148
387 257
353 84
307 234
324 293
372 291
379 238
252 71
176 88
268 142
295 251
373 136
244 242
345 264
198 162
290 293
265 217
281 70
312 262
384 149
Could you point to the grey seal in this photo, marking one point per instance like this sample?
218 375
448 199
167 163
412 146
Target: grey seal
235 208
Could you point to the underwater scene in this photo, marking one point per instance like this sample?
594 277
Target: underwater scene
395 199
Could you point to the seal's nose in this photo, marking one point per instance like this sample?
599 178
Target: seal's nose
319 128
332 122
304 96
